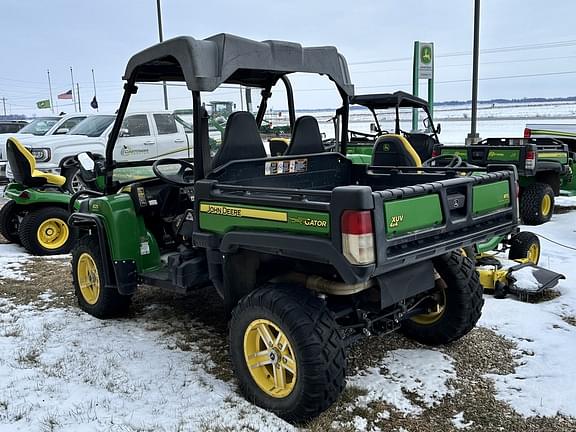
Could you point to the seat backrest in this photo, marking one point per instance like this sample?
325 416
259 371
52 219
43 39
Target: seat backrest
306 137
241 140
22 163
394 150
423 144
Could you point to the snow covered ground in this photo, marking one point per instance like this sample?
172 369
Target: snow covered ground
62 370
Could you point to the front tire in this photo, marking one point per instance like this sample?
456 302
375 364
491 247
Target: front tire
537 204
45 231
74 180
458 307
287 351
9 221
525 245
89 282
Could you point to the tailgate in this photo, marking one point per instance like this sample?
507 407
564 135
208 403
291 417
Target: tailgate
419 222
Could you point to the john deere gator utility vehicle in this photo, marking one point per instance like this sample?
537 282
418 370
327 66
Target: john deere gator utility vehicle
308 251
390 112
543 165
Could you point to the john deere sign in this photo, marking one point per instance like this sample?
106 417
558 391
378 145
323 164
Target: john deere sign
426 61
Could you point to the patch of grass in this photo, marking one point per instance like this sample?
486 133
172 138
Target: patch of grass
29 356
569 319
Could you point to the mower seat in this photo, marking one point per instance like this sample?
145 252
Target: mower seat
422 143
241 140
306 137
23 167
394 150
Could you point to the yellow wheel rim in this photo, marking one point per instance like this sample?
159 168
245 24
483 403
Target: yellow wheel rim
53 233
270 358
533 254
434 315
88 278
546 205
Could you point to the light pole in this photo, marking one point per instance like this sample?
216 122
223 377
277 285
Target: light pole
473 135
161 37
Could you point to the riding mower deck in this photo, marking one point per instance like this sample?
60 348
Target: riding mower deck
37 212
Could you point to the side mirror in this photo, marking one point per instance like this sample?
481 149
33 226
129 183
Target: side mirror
87 166
62 131
124 132
373 128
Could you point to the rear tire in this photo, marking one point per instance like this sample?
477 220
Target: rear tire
525 245
89 282
462 300
313 349
9 221
45 231
537 204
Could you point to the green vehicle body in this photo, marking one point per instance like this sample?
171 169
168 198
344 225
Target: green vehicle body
25 196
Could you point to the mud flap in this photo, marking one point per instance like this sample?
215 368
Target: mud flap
527 280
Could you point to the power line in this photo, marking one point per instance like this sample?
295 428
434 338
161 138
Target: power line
547 45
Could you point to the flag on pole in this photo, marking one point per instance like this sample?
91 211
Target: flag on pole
66 95
43 104
94 103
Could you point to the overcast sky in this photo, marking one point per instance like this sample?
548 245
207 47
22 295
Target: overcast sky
376 37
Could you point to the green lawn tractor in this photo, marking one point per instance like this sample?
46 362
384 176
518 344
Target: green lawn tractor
36 213
309 252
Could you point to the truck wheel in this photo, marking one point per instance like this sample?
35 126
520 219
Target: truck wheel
458 299
537 204
287 351
525 245
9 221
88 278
45 231
74 181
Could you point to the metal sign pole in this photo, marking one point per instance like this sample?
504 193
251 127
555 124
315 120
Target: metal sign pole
423 68
415 81
473 136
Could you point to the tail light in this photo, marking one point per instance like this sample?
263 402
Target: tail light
530 160
527 132
435 153
357 237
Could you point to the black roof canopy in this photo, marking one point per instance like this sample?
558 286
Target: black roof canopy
224 58
389 100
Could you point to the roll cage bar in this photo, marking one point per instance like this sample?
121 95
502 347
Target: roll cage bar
206 64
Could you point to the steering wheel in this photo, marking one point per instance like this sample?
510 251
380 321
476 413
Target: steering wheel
453 161
181 178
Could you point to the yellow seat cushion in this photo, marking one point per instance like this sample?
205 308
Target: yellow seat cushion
53 179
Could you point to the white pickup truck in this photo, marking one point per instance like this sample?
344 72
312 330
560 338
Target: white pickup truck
40 126
143 135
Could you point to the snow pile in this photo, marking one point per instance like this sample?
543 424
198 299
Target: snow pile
525 279
12 260
422 372
543 381
64 370
459 422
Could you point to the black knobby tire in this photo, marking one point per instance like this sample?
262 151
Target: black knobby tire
521 244
30 227
463 303
109 303
9 221
531 201
317 342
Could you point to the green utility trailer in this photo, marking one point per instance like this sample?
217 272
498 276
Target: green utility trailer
308 251
543 164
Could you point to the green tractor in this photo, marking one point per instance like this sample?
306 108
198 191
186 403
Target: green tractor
36 212
308 251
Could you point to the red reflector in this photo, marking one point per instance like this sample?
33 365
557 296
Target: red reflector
527 132
24 195
356 222
530 154
435 153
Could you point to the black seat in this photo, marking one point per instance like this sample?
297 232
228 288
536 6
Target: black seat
278 146
394 150
241 140
23 166
306 137
423 144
